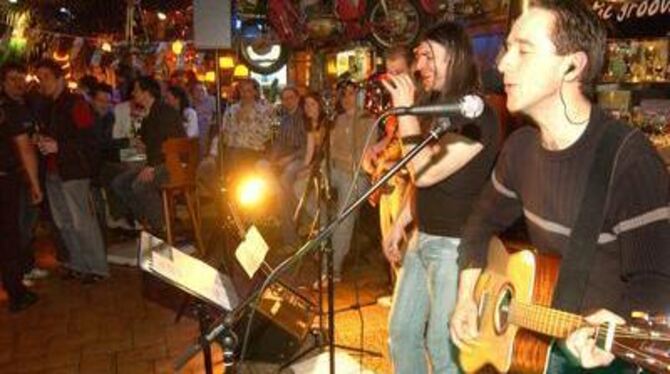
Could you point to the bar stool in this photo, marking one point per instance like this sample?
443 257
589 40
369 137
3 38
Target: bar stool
181 161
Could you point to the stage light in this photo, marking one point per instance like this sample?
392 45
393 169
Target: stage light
106 47
161 16
251 191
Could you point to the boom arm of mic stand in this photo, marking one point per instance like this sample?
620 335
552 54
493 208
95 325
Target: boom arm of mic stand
226 322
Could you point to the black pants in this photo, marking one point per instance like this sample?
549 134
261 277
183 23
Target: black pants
10 242
560 364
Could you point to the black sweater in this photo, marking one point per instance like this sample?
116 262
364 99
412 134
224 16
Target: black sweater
631 269
162 123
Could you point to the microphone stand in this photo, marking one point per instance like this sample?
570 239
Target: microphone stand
224 325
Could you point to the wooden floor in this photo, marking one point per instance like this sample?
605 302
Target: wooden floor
110 327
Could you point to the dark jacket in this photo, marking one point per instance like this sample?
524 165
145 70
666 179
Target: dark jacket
70 123
162 122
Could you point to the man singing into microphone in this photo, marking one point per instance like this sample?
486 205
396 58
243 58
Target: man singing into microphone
553 54
449 175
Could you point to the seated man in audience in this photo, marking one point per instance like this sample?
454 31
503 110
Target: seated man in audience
138 188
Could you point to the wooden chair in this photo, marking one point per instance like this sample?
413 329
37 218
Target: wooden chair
181 161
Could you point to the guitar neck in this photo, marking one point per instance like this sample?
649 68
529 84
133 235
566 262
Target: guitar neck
544 320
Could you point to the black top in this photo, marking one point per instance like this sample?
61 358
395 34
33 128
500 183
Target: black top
10 127
162 122
19 113
9 163
443 208
631 268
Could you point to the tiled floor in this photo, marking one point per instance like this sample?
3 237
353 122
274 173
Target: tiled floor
110 328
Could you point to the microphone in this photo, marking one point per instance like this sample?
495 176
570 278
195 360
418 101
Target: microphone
469 106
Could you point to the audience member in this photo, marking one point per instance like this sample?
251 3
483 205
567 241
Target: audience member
177 98
205 107
68 143
13 138
17 114
139 187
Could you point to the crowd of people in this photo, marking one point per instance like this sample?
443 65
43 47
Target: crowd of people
97 152
437 216
71 144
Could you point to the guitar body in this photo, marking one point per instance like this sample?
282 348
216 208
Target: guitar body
522 276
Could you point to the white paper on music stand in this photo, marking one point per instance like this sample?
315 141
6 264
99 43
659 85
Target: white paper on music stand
187 272
252 251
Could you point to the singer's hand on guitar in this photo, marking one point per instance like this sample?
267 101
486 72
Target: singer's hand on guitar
402 89
582 345
463 323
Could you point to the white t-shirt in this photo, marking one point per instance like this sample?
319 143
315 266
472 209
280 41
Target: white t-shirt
191 123
122 121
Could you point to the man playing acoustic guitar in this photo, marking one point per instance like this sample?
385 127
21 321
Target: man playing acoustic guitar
553 55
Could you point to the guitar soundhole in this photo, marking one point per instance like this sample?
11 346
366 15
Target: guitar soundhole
502 310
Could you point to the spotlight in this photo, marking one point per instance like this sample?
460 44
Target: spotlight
251 191
161 16
13 1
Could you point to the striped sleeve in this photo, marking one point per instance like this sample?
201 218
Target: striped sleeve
638 221
497 208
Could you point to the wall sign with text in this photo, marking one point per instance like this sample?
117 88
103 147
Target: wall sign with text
635 18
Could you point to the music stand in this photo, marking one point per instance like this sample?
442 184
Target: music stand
207 285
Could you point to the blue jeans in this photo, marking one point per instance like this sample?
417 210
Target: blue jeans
74 215
424 299
143 199
341 181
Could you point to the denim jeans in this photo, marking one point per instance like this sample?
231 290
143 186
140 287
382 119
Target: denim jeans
142 198
424 299
341 181
74 215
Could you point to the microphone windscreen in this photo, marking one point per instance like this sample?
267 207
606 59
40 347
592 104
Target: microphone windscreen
472 106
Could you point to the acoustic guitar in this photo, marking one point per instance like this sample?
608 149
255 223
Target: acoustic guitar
517 326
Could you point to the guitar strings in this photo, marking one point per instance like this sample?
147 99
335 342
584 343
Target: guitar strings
546 312
642 354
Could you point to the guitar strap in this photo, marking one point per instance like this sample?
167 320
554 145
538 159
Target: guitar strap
577 263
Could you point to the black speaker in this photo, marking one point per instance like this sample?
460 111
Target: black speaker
212 24
281 322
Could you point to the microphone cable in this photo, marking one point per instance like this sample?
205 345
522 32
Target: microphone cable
565 108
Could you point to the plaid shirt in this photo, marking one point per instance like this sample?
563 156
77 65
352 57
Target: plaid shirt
291 137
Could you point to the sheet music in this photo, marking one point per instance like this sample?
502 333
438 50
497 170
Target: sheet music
186 272
252 251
